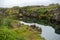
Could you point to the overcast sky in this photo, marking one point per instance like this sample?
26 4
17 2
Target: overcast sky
10 3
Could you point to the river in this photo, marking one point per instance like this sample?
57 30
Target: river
47 31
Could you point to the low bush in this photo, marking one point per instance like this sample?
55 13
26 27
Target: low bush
7 34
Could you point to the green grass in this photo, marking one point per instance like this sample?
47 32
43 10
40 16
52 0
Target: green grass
28 33
20 33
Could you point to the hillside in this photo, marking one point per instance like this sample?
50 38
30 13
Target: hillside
45 15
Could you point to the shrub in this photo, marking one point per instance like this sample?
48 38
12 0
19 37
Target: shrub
7 34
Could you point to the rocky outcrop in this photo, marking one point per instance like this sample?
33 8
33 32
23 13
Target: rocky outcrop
36 29
57 31
56 15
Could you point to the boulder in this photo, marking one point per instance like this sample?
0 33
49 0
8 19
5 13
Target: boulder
36 29
33 26
57 31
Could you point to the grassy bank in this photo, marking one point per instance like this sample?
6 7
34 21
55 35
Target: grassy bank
19 33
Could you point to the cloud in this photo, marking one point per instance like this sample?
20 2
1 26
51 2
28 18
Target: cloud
10 3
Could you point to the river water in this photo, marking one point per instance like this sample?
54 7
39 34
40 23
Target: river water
47 31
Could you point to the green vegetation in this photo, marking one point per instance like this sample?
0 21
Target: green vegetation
11 29
7 34
19 33
28 33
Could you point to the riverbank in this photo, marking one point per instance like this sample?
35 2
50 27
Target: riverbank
23 32
47 31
